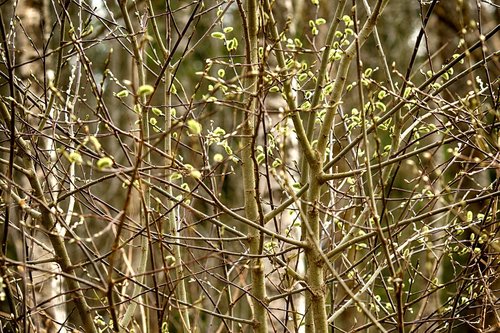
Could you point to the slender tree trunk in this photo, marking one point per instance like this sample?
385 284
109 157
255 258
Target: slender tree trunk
249 172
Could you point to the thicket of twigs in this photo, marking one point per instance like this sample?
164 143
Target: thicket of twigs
237 166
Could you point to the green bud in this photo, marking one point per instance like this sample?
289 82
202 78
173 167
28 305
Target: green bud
145 90
104 162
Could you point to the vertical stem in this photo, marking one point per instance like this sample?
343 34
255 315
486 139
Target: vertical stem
171 227
304 166
249 179
172 218
314 255
144 130
371 203
315 263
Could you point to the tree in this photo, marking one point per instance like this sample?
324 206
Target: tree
249 166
